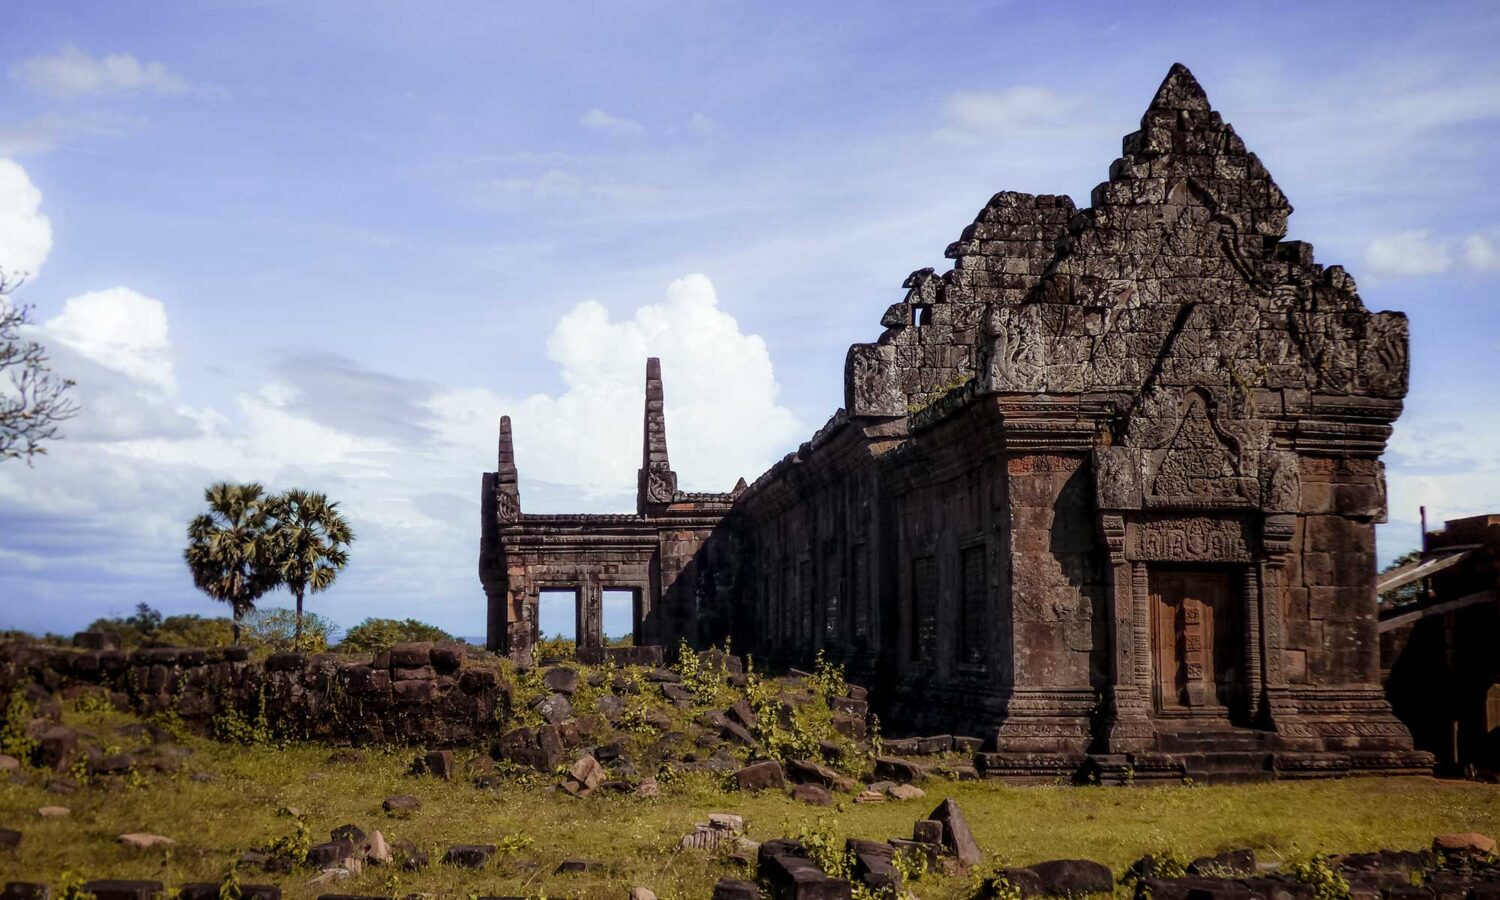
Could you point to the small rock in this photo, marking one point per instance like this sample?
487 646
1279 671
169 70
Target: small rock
575 865
404 804
905 792
648 788
438 763
377 852
27 890
346 756
1467 842
9 763
329 854
813 794
869 796
139 840
10 839
896 769
555 708
53 812
584 777
640 893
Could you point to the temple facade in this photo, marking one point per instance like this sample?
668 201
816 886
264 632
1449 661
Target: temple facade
1104 493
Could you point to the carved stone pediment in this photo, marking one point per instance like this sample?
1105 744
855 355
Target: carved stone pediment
1199 466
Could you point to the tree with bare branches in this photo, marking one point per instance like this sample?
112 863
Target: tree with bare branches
35 401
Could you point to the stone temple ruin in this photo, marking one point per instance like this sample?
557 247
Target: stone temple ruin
1104 493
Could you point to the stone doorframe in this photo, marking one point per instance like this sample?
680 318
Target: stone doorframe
1233 533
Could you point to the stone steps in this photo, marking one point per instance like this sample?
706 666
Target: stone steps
1228 767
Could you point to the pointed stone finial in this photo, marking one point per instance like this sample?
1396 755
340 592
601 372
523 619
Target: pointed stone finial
740 487
656 483
507 455
1180 90
506 486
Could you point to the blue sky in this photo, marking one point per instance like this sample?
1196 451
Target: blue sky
326 244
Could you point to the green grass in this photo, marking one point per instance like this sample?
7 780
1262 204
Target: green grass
214 822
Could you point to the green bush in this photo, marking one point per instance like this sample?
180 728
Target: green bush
375 635
272 629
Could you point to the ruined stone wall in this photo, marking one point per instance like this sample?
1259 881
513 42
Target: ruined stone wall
419 693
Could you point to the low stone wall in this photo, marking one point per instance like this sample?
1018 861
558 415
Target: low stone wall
418 693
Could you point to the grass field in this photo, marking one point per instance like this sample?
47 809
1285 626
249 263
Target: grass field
244 807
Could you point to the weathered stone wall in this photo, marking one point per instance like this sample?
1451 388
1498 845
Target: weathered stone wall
414 693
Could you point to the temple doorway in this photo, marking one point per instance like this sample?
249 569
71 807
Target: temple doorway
1197 647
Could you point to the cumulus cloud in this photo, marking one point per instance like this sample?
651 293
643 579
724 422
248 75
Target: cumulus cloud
73 73
1012 112
25 232
723 416
600 120
121 330
1407 253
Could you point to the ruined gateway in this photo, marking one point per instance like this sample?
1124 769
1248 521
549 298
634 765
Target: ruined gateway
1104 494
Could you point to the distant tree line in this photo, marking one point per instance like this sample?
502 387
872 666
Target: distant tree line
271 629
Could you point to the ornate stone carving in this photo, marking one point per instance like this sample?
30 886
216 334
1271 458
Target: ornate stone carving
1117 482
1191 539
1280 481
1200 463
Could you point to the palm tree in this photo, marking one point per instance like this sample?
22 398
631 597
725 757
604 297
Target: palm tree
310 539
228 552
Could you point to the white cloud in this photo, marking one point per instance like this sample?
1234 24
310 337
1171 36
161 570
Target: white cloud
25 233
121 330
723 418
73 73
1481 253
700 125
599 119
1013 112
1407 253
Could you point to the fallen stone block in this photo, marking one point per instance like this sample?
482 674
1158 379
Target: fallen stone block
1230 862
900 770
956 834
1470 842
411 654
329 853
53 812
10 839
584 777
799 878
761 776
734 889
1074 876
577 865
25 890
209 890
119 889
927 831
351 833
469 856
561 680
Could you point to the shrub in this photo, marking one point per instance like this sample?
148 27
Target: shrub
555 647
273 629
375 635
195 631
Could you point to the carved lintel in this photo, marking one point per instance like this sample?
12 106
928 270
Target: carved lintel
1164 538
